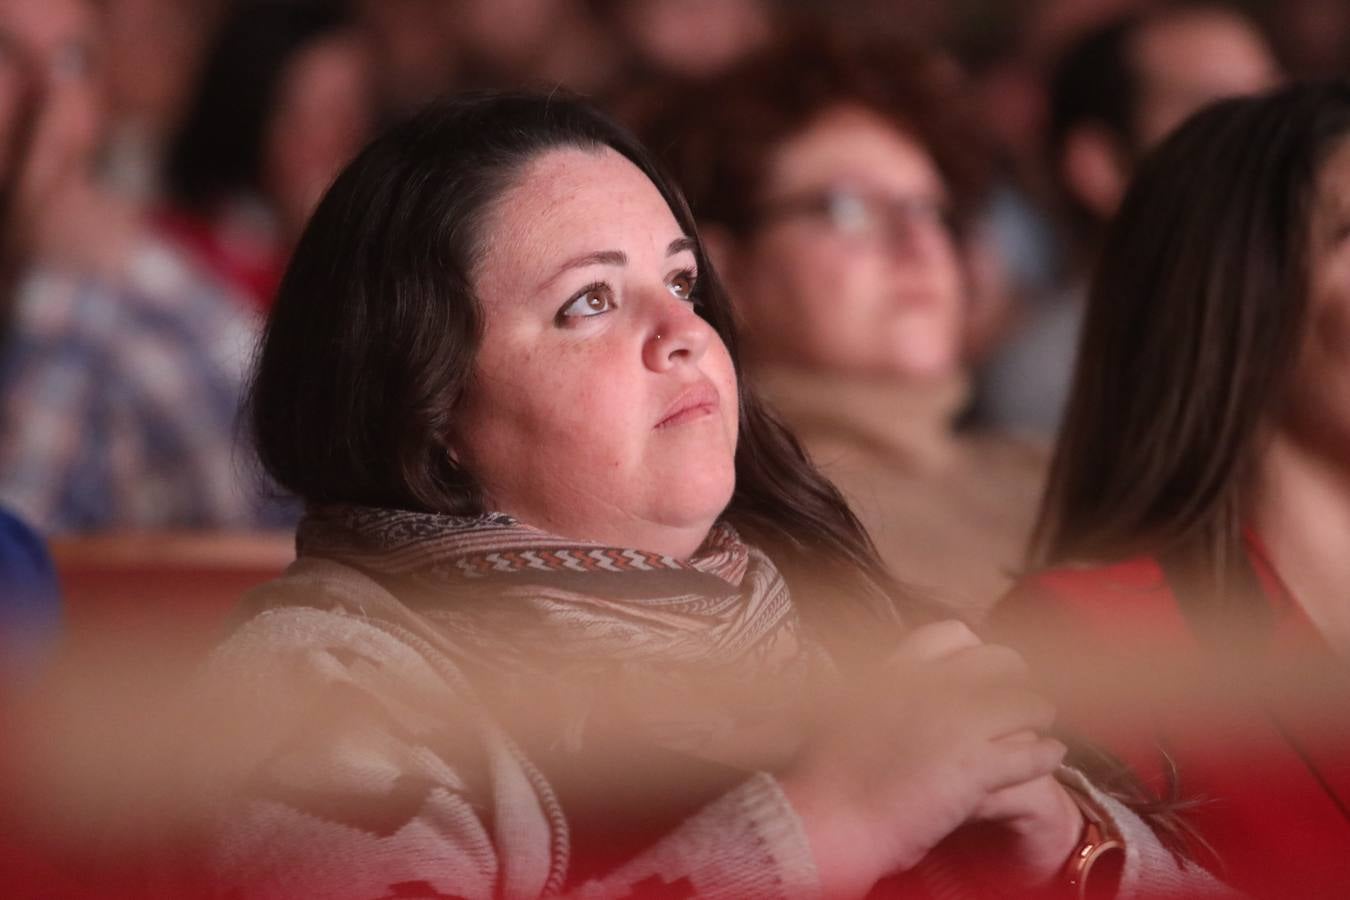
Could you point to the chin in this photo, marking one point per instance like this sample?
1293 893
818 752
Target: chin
699 505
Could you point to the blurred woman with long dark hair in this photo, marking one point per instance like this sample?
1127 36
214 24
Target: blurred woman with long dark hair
1198 507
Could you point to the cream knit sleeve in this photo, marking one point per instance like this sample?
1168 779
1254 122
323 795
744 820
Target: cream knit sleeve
356 766
1151 870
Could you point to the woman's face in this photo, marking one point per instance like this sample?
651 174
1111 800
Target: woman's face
324 112
1321 403
602 406
854 268
48 51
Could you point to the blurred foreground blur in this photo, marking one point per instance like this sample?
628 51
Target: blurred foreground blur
125 747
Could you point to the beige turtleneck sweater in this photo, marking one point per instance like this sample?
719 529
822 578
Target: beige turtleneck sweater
950 512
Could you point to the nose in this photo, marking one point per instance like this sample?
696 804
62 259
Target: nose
918 235
677 336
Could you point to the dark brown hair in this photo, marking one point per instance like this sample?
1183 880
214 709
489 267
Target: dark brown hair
718 138
372 341
1195 318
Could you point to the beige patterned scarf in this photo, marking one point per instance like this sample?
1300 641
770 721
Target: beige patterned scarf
699 653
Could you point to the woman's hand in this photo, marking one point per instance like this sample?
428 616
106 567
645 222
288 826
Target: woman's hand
944 734
1037 825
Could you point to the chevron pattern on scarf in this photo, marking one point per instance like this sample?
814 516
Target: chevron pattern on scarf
562 623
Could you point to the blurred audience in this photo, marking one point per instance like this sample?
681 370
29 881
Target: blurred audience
286 96
414 47
1199 500
689 38
880 240
122 363
832 181
152 49
1114 94
51 78
1313 36
533 43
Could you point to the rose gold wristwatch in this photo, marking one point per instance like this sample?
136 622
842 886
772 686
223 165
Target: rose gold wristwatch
1093 870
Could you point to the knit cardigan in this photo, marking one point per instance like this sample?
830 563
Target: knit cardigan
410 788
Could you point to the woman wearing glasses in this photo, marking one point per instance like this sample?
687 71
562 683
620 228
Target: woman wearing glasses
833 185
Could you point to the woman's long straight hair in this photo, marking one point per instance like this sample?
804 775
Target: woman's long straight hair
373 336
1195 319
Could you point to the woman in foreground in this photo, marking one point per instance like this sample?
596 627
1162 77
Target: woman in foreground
1198 510
571 612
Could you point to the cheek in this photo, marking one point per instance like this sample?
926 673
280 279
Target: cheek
853 312
1329 328
530 409
811 291
1321 400
1331 338
719 368
1338 316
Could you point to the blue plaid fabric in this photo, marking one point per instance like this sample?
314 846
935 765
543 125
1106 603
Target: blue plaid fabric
119 403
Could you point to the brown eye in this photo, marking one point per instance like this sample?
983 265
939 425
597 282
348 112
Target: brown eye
682 285
593 301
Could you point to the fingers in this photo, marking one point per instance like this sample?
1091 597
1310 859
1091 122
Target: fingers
982 688
953 643
929 643
1012 712
1012 762
988 663
1015 800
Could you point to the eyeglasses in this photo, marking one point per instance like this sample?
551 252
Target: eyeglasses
863 214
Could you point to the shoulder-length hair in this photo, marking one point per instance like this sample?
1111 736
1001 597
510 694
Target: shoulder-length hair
1195 319
372 341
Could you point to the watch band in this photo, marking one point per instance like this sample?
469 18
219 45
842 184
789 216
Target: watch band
1093 869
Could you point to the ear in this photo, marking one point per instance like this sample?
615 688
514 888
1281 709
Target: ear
450 444
1093 166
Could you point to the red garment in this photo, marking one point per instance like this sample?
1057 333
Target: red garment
1274 780
250 263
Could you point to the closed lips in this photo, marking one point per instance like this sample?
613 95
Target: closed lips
696 401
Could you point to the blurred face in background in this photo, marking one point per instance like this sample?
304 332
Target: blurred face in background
151 49
509 32
415 43
853 267
1320 403
1191 58
49 59
325 111
694 38
1179 61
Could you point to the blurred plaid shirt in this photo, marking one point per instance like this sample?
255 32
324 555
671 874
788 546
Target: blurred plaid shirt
119 403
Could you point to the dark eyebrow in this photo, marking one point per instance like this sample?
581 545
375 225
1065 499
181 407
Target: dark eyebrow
615 258
598 258
681 244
